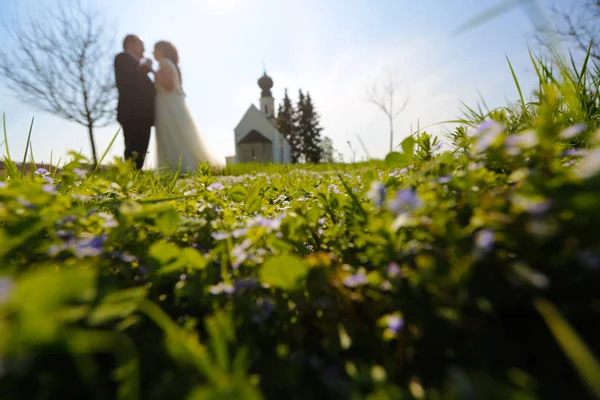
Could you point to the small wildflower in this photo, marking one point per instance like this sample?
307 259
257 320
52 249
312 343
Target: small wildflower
50 189
219 235
589 165
377 193
356 280
41 171
489 131
189 192
484 239
89 247
405 200
215 186
221 288
393 270
80 172
445 179
572 131
394 322
48 179
240 253
333 188
238 233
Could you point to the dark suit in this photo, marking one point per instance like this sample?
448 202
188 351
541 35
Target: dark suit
135 111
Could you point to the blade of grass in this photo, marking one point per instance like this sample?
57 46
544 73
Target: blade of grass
107 150
578 352
27 148
518 85
5 136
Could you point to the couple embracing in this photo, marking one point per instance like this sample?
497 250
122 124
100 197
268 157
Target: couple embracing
143 104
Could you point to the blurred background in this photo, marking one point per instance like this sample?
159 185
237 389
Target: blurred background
335 50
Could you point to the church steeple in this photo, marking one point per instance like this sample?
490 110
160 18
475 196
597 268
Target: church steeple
267 103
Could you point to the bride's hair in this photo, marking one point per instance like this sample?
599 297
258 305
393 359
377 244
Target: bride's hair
169 51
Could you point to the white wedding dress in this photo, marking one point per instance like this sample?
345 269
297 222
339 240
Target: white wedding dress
177 138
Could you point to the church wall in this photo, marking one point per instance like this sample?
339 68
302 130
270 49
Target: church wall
254 152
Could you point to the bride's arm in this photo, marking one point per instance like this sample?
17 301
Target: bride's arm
165 78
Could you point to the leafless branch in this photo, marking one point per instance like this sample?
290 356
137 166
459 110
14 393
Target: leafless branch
576 26
58 59
383 95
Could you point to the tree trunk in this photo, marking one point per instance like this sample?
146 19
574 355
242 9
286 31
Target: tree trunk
391 135
91 133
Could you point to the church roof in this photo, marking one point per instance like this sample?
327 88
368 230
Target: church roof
254 136
252 110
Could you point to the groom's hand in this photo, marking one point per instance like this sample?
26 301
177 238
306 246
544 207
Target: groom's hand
146 66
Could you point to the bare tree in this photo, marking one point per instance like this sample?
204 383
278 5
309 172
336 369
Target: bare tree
58 60
577 26
383 95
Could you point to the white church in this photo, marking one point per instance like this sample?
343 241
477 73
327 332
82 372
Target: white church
257 139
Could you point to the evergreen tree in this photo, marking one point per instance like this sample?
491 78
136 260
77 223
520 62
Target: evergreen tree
309 130
298 152
327 151
286 126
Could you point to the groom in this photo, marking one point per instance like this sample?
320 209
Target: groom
135 111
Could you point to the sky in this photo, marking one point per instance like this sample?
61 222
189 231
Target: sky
334 49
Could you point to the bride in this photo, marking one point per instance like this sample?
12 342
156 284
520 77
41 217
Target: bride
177 137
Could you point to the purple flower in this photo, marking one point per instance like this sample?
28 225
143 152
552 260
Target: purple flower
271 223
394 323
80 172
377 193
219 235
48 179
3 185
221 288
237 233
189 192
25 203
240 253
572 131
404 201
436 146
50 189
215 186
484 239
393 270
445 179
128 258
573 153
42 171
6 287
489 131
333 188
89 247
356 280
